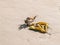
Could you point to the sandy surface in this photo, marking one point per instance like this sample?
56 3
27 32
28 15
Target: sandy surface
14 12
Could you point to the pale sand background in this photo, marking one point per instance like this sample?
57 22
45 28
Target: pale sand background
13 13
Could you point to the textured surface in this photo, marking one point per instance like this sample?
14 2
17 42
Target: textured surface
13 13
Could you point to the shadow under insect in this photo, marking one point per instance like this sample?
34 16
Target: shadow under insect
22 26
